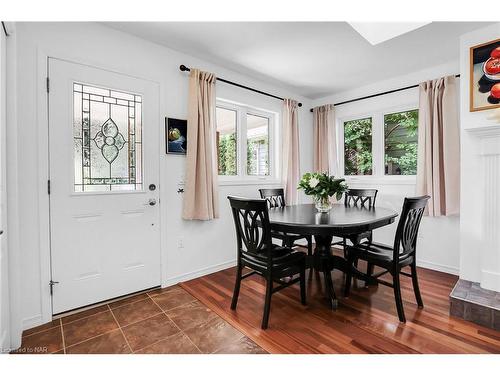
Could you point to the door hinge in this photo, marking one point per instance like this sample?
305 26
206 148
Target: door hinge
51 286
48 84
48 187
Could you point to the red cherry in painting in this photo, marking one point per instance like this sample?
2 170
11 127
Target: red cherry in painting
495 91
492 66
495 54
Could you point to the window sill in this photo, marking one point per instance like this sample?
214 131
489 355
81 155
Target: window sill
240 182
381 180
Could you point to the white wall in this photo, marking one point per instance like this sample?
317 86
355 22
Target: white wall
208 246
438 244
4 274
471 220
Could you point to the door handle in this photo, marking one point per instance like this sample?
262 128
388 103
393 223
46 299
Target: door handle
151 202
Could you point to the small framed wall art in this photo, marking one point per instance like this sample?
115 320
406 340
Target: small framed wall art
176 136
485 76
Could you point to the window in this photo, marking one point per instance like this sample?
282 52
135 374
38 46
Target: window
107 140
244 142
358 147
257 145
227 156
380 143
400 146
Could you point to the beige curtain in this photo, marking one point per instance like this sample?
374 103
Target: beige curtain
325 144
201 193
291 160
438 168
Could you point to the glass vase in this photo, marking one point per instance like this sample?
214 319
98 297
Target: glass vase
323 204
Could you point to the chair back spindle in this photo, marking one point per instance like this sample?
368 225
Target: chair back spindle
361 197
251 220
408 226
274 197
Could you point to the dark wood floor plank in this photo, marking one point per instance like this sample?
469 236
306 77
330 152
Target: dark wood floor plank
366 322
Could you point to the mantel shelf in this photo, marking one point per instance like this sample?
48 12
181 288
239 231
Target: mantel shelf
485 131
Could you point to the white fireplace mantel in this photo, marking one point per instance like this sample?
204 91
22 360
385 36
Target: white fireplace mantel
488 149
484 131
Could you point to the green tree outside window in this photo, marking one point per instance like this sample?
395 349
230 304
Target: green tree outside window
358 147
400 130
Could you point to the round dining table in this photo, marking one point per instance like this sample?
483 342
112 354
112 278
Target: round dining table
341 221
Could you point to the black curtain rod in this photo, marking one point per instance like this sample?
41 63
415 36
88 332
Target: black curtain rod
184 68
5 29
380 94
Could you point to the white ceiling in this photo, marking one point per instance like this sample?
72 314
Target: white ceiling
313 59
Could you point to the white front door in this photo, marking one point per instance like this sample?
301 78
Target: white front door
104 194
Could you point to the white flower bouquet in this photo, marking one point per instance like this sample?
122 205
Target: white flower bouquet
322 186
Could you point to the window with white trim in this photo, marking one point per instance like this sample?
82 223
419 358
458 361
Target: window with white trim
382 143
400 143
358 147
244 138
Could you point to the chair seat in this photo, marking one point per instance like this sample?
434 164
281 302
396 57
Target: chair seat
284 260
359 237
290 236
376 252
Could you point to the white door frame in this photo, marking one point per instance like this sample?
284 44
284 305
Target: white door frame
43 56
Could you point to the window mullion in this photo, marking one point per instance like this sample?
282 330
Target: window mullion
378 144
243 145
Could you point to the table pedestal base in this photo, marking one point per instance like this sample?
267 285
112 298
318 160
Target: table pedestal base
324 261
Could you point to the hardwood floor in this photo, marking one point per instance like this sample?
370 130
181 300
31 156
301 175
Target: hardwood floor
366 322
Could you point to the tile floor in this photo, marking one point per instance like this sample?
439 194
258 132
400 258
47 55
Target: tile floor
164 321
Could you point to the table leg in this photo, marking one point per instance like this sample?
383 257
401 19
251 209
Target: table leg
323 263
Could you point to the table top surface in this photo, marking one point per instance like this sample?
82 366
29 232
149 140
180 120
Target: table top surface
340 216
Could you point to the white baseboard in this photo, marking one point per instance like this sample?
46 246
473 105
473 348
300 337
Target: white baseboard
34 321
222 266
201 272
438 267
4 345
490 280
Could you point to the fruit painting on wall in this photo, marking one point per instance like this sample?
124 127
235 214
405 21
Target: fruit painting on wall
176 134
485 76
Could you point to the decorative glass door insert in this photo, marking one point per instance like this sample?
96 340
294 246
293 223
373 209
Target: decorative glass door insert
107 136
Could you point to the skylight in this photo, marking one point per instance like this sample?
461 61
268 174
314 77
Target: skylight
378 32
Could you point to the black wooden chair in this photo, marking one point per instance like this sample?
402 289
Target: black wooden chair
276 198
257 252
361 198
393 259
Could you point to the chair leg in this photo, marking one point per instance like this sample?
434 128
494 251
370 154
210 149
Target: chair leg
237 285
309 246
344 246
348 277
397 296
416 289
369 273
267 304
303 285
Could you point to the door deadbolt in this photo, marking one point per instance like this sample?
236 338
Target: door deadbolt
151 202
152 187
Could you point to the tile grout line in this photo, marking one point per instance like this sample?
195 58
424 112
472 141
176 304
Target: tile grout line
62 334
119 326
91 338
101 334
37 332
221 317
121 330
180 330
97 305
169 337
